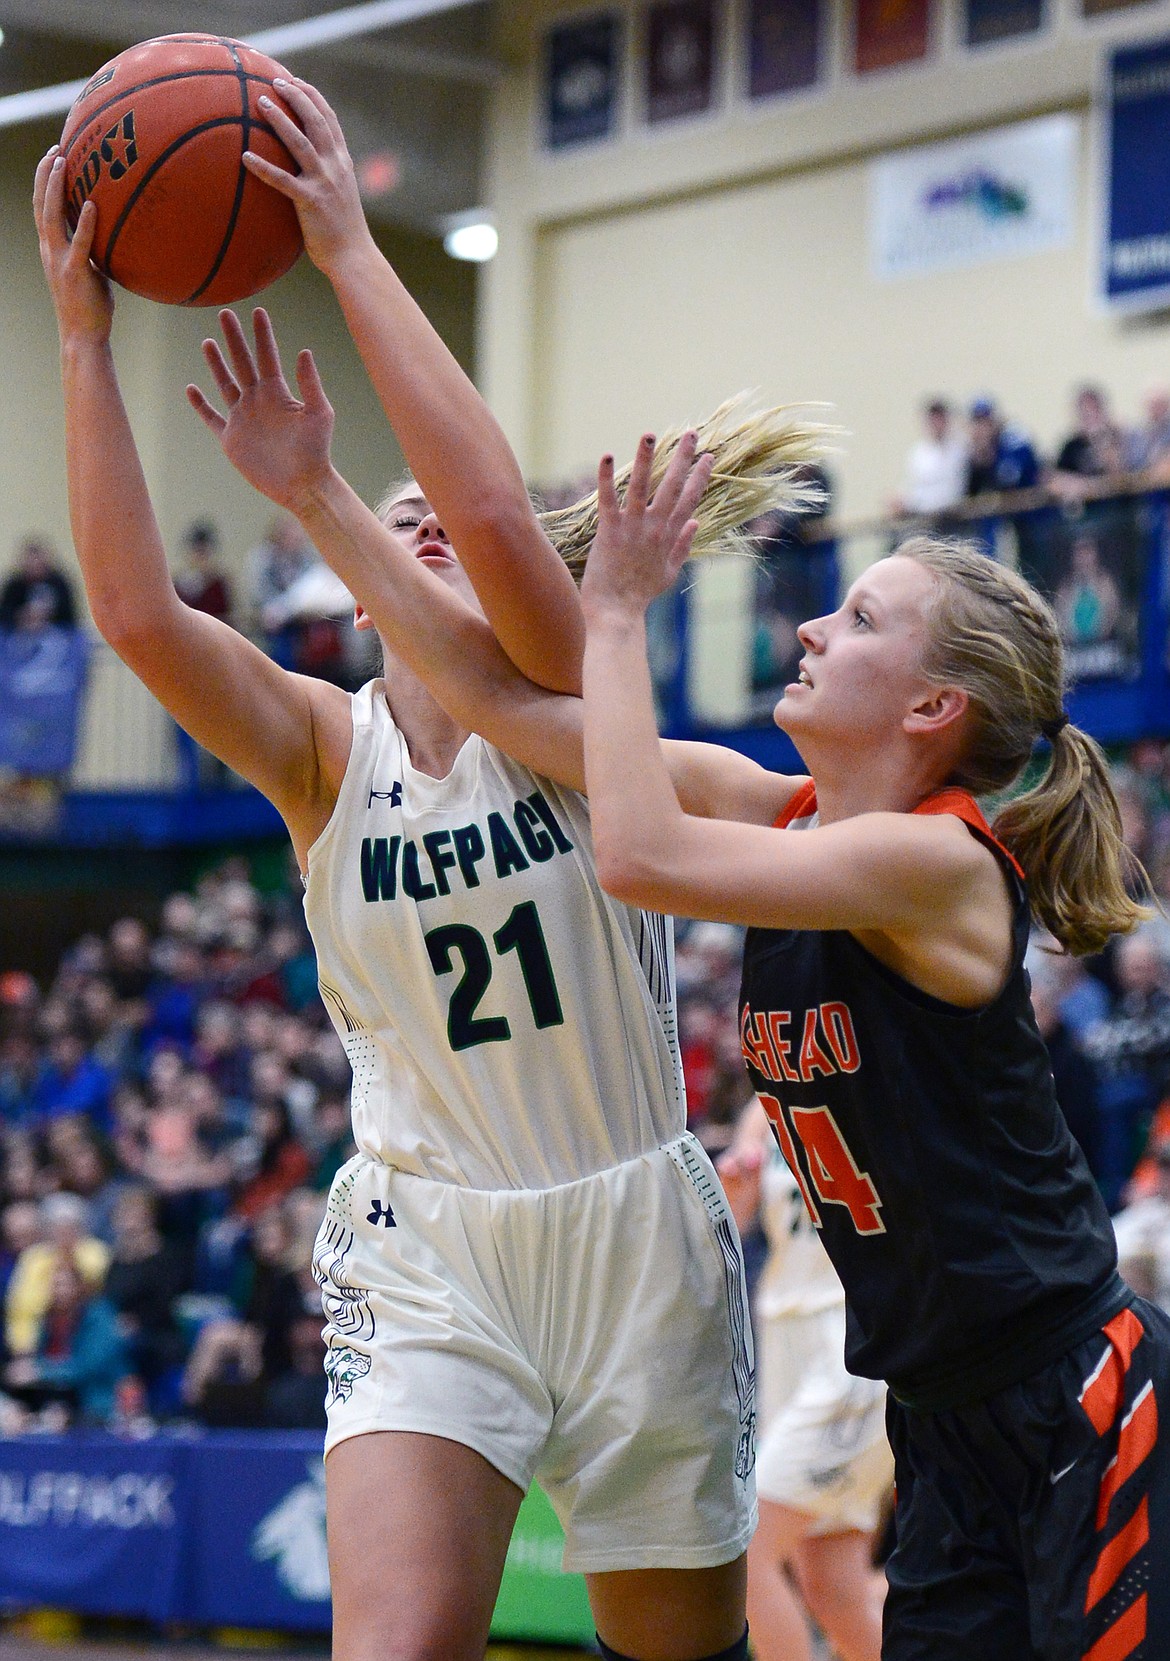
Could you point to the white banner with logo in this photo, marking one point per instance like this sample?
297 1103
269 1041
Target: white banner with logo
994 195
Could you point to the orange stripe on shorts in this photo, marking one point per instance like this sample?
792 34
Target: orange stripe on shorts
1123 1637
1118 1554
1101 1395
1139 1433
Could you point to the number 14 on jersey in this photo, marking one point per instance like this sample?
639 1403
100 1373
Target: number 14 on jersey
828 1171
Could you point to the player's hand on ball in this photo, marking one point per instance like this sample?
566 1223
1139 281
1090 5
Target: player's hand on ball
642 542
277 441
325 191
81 295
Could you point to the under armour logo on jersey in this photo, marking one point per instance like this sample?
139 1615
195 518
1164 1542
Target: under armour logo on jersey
380 1213
393 795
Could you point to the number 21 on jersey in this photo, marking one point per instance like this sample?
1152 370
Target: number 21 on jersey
829 1171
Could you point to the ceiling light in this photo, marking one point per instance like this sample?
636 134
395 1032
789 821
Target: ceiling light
471 236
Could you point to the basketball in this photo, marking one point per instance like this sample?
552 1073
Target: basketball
156 140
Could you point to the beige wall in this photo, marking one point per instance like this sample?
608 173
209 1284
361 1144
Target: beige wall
157 349
644 278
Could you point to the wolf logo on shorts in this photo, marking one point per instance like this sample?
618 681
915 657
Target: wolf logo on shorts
343 1368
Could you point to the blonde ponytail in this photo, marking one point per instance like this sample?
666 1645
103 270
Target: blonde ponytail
994 636
760 457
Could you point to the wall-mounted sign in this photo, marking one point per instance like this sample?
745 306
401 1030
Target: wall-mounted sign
581 79
994 195
784 46
890 32
680 58
991 20
1135 263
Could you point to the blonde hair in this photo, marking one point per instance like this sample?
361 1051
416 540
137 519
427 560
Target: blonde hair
761 461
995 637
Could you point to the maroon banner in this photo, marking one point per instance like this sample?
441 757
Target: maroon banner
784 46
680 58
891 32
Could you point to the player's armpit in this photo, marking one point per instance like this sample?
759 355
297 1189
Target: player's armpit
286 734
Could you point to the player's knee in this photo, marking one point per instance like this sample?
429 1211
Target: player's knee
737 1652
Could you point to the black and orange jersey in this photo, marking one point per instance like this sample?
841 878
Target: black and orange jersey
961 1216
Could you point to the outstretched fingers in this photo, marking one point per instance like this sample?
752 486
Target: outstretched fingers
206 410
309 383
239 351
693 482
638 488
221 374
267 351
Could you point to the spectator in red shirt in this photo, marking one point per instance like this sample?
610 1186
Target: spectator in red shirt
202 581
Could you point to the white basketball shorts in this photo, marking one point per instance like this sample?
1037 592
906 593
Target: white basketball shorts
593 1334
823 1447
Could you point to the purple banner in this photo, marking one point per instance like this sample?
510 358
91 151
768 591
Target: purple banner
784 46
680 58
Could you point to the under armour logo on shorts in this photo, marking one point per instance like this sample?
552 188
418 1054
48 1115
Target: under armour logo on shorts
380 1213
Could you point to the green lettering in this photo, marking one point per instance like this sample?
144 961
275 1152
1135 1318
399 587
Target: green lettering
564 846
380 867
505 848
538 842
412 882
469 850
442 859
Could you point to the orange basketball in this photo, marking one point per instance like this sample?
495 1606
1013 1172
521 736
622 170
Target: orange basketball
155 139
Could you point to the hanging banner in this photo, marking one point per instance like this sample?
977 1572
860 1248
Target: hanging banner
991 20
1135 264
1095 8
891 32
680 58
784 46
995 195
42 680
581 80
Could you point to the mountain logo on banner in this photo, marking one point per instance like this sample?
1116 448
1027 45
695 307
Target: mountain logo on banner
992 196
292 1536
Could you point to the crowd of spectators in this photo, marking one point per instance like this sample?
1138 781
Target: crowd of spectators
174 1105
961 454
173 1108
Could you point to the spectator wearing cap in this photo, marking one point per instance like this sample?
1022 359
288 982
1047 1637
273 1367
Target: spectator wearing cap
38 589
201 580
935 475
1143 1236
999 456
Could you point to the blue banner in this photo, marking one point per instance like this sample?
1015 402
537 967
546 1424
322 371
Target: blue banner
222 1529
1135 270
42 677
93 1525
581 79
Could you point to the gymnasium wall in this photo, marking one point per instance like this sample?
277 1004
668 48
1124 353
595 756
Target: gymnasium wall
643 277
157 349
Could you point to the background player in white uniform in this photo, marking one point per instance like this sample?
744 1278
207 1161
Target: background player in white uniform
493 1242
824 1466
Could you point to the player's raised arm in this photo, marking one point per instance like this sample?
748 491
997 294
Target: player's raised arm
452 442
279 441
265 723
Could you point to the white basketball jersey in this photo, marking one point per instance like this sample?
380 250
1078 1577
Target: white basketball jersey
797 1278
508 1024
